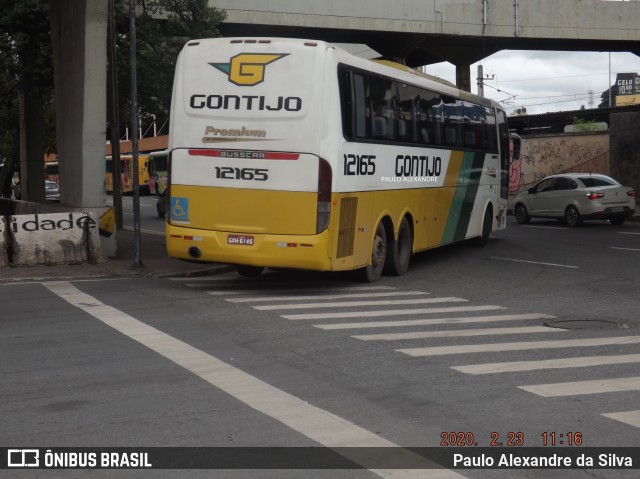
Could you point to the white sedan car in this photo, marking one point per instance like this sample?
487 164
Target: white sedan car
574 197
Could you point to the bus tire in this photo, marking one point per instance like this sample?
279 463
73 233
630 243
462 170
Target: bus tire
249 271
372 273
483 239
398 257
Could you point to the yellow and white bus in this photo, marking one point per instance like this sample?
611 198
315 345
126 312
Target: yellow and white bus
293 153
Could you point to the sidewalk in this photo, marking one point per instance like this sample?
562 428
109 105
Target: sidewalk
153 255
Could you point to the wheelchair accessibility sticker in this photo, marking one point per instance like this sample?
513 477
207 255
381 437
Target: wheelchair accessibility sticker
179 210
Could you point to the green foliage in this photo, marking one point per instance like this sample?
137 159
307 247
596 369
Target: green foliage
584 125
162 29
26 61
26 65
604 97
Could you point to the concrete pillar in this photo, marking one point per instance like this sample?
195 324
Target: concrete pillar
463 76
79 38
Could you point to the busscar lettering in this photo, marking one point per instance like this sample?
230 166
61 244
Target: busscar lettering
245 102
408 165
256 155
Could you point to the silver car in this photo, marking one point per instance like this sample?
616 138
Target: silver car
51 192
574 197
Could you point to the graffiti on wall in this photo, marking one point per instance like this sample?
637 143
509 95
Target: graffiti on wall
546 155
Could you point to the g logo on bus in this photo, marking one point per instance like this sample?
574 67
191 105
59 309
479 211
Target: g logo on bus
247 69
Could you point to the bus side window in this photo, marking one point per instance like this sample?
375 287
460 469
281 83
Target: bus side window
362 112
384 103
407 127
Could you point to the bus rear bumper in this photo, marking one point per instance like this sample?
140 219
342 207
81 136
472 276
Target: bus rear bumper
266 250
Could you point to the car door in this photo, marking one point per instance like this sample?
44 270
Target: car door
538 200
560 197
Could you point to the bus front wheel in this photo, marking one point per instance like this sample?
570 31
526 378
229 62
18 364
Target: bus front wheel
373 272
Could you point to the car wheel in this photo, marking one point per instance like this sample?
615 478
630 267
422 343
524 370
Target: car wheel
522 216
397 261
572 216
372 273
249 271
617 221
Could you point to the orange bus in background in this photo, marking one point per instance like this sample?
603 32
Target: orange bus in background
126 174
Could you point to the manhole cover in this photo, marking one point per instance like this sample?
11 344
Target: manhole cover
585 324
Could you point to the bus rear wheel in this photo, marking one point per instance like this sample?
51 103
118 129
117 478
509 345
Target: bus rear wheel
397 261
372 273
487 224
249 271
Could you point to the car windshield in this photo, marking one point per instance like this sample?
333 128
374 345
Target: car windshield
50 185
593 181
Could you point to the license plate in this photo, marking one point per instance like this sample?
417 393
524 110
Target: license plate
242 240
617 209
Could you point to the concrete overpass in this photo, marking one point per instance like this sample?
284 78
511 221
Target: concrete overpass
415 31
421 32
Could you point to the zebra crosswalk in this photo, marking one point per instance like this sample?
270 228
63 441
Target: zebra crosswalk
417 317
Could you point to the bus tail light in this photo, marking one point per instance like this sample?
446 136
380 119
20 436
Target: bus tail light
594 196
324 196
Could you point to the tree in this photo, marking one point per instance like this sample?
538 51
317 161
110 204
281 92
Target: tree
26 76
162 29
604 98
26 62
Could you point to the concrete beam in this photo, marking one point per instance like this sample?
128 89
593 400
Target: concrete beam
459 31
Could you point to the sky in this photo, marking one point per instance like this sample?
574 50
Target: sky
545 81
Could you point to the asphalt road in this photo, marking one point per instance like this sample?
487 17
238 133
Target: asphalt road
463 343
149 219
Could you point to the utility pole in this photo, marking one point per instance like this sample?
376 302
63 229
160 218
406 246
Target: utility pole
481 78
137 261
115 127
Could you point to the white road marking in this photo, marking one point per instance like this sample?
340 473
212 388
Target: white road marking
625 249
257 292
575 388
628 417
457 333
353 304
291 297
317 424
519 346
426 322
545 227
560 363
535 262
627 233
390 312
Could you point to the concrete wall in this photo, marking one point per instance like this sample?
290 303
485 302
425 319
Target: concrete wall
625 148
548 154
49 239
